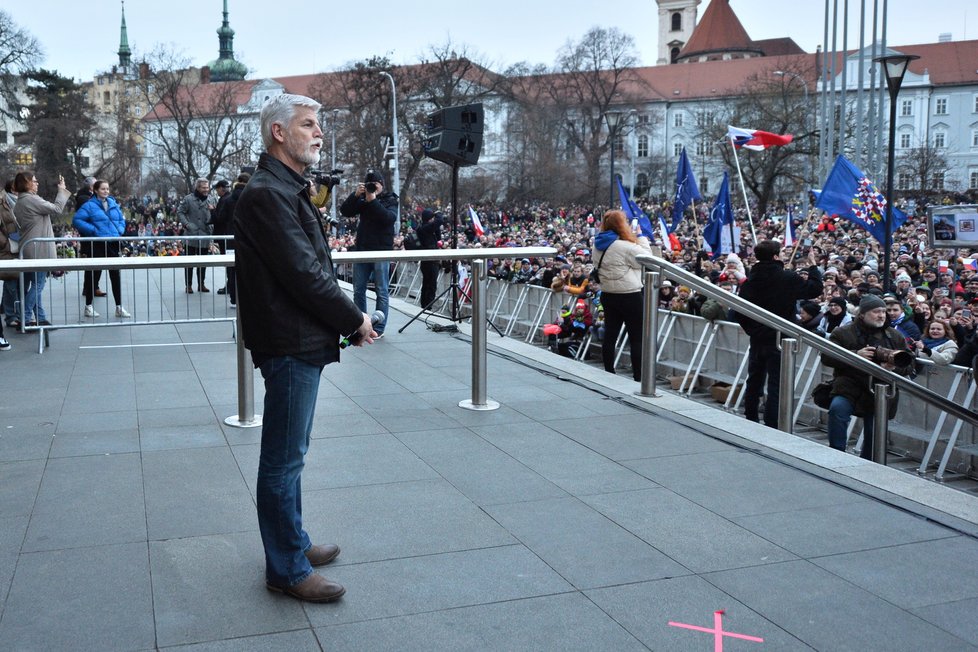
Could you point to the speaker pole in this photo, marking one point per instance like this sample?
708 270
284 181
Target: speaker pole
455 263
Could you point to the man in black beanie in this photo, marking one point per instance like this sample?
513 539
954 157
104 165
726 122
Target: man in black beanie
870 337
429 233
771 287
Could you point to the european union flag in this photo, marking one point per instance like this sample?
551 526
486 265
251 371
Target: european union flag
850 194
721 215
686 190
633 212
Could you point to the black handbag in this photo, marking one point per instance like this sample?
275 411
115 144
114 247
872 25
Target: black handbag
822 395
594 276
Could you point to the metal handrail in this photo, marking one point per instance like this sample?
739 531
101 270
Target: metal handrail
821 344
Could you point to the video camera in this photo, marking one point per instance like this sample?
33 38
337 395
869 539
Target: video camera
328 179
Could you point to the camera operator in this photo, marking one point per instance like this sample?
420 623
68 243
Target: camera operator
429 233
322 191
377 209
870 336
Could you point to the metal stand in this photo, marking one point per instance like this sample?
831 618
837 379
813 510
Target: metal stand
246 417
453 286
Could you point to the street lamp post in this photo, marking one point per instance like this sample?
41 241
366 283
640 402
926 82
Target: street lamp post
804 86
894 67
332 158
612 118
397 148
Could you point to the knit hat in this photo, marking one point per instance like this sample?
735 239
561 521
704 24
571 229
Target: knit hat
840 301
373 177
811 308
903 277
427 214
870 302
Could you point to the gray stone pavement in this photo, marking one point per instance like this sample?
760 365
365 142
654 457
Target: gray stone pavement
575 517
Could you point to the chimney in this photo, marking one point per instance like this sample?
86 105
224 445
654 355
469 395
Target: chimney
144 70
205 75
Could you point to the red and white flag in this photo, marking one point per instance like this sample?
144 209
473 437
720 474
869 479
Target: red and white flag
476 223
756 139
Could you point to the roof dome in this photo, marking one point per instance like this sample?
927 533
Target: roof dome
224 69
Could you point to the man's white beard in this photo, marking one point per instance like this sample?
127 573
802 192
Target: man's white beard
875 324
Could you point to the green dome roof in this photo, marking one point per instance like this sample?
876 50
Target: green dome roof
227 70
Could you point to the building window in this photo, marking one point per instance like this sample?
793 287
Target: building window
619 144
940 139
704 185
677 119
903 181
906 107
937 182
677 149
973 180
940 106
106 97
904 141
704 148
704 119
673 55
643 146
975 108
677 21
3 137
974 138
641 184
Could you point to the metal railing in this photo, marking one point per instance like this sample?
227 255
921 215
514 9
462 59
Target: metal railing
882 381
246 416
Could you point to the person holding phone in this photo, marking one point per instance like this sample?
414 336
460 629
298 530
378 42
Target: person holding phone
938 344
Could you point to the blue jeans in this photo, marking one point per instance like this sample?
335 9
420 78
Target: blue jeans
840 411
291 386
381 273
11 295
34 283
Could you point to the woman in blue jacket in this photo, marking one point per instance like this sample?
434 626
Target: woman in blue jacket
101 217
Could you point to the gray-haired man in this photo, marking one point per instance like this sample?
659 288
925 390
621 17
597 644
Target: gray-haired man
293 313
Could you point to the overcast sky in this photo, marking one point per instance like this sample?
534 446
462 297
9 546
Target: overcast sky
291 37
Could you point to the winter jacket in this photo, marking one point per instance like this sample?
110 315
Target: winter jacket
942 354
771 287
93 221
375 232
194 214
8 225
848 381
620 272
289 300
34 216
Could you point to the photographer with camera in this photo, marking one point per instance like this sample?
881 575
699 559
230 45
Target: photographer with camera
322 191
870 336
377 210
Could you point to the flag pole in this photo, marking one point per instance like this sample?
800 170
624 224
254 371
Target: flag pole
743 189
696 225
808 219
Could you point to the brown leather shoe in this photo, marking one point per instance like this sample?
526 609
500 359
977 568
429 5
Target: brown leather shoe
190 290
314 588
203 288
99 293
322 555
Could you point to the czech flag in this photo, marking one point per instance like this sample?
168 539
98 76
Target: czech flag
942 266
969 263
756 139
476 223
789 230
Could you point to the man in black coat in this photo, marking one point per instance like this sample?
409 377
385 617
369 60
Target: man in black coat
224 225
429 233
293 313
771 287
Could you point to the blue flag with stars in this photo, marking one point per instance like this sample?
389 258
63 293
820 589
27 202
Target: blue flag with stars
686 190
720 216
850 194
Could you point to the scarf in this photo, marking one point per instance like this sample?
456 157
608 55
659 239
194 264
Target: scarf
932 343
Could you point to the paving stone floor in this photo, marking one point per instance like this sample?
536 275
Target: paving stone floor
565 520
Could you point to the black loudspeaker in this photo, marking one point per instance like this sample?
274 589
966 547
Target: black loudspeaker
455 135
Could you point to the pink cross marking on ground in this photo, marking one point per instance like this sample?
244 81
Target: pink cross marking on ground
717 631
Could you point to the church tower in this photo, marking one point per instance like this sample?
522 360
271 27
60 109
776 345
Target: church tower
225 67
124 52
677 19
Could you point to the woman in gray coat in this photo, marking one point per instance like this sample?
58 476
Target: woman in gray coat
34 217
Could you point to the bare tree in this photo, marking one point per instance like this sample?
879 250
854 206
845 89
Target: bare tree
774 103
925 166
19 54
192 124
591 77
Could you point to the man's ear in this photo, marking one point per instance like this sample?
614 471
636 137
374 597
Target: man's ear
278 133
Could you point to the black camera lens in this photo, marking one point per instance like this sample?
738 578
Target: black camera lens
371 186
